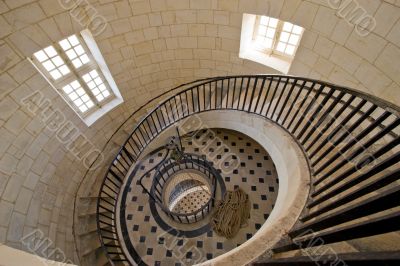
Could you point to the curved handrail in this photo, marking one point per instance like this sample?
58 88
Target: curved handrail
307 109
187 159
91 169
160 169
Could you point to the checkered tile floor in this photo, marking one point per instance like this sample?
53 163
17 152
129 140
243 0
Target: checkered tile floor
252 170
192 202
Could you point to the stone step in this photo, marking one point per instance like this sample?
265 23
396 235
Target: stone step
96 258
90 243
336 248
91 212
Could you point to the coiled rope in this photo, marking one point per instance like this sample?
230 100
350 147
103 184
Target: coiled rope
231 213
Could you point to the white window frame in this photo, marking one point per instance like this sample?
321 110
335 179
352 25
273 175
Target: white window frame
97 63
276 39
267 56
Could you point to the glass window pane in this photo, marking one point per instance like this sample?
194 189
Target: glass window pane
264 20
268 43
85 98
80 92
75 84
73 96
48 65
270 33
50 51
41 56
287 26
273 22
71 54
78 102
281 47
86 77
99 97
284 37
67 89
83 108
73 40
64 70
297 29
98 81
262 30
77 63
57 61
91 84
65 44
84 58
290 49
93 73
259 40
79 50
294 39
102 87
55 74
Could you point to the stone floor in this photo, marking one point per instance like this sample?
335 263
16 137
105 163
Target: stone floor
194 200
153 239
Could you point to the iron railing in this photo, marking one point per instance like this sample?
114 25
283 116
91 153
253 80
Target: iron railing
166 170
106 226
349 138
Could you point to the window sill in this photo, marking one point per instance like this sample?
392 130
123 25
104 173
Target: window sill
268 60
90 119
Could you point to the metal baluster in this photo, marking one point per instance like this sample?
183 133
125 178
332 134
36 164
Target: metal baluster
245 94
279 98
301 88
273 95
301 104
323 117
315 114
252 94
354 141
259 94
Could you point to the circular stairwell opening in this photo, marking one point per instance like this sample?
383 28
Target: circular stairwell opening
185 189
148 229
187 192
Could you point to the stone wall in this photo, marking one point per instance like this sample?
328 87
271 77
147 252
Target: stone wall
151 46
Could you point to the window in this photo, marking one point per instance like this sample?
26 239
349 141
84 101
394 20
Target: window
74 70
274 36
269 41
265 32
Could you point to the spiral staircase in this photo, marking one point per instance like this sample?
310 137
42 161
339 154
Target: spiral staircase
348 138
179 174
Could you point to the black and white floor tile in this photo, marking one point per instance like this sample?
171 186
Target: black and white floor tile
150 243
